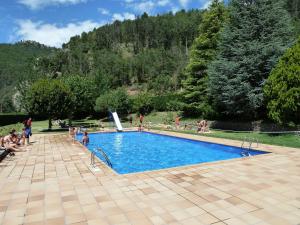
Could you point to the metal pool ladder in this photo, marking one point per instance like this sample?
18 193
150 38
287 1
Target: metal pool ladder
103 154
246 150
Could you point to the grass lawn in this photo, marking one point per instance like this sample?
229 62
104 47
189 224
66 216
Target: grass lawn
288 140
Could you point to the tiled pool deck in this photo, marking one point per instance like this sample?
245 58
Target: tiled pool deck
52 183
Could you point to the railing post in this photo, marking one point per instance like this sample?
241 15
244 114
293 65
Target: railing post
92 158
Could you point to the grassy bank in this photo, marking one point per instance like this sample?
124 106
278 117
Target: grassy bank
288 140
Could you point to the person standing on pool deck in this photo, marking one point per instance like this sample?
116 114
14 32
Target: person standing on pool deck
141 118
72 133
29 123
177 122
27 126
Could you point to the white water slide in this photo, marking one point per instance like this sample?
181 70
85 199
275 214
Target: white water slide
117 121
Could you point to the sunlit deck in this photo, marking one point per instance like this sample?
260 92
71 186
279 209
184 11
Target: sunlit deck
53 183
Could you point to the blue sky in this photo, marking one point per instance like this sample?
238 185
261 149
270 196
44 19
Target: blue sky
53 22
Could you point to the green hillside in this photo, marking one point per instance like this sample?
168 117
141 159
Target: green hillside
149 52
16 64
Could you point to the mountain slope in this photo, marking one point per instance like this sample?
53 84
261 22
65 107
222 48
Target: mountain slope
149 52
16 63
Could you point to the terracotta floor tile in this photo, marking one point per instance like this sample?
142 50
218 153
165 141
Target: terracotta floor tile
75 218
53 184
207 218
115 219
56 221
34 218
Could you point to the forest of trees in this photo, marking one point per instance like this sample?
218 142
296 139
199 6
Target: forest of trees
149 52
16 64
210 63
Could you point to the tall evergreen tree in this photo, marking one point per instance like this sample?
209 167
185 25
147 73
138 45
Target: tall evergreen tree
203 51
256 35
282 88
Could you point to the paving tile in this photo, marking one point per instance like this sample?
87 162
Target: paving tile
56 221
52 184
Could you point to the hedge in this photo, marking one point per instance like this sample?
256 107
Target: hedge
12 118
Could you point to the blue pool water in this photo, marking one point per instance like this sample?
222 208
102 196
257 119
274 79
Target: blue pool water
131 152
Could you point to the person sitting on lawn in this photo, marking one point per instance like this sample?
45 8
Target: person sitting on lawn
85 138
199 126
202 126
205 127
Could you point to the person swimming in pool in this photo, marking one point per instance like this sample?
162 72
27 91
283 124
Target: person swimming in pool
85 138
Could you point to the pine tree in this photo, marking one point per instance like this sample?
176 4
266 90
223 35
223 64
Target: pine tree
282 88
256 35
203 51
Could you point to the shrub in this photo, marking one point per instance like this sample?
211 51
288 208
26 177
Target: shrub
282 89
116 100
142 103
167 102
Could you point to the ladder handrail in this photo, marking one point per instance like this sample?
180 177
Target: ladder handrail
250 141
105 157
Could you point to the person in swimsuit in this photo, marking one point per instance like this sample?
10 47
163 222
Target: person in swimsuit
85 138
72 133
141 118
8 142
177 122
204 127
140 127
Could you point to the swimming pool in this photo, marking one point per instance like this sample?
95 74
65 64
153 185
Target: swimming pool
131 152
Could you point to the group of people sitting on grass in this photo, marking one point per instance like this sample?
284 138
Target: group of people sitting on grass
15 141
202 126
73 131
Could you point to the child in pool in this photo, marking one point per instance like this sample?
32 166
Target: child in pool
85 138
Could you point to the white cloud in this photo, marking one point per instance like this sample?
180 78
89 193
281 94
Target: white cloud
205 4
124 16
184 3
52 34
163 2
175 9
141 7
37 4
103 11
